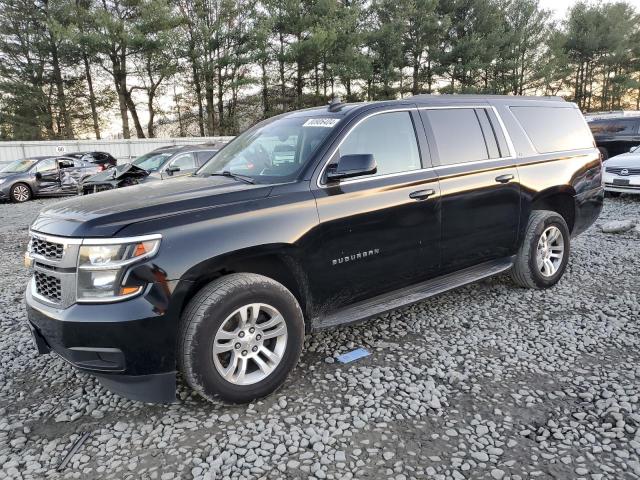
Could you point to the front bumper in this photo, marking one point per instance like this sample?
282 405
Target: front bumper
621 184
129 346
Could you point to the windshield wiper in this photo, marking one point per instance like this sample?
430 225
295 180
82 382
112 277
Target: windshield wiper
235 176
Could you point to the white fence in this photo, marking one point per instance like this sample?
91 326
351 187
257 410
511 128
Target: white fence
123 150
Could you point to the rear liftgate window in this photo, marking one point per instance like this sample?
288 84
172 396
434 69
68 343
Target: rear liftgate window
554 129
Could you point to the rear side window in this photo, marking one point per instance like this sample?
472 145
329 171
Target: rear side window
553 129
458 135
391 139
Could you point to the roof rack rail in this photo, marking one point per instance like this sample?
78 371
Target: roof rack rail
478 96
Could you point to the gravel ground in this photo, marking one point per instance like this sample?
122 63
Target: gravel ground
488 381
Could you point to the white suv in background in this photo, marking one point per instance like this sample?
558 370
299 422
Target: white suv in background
622 173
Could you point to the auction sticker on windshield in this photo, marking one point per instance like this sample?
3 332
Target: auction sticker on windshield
321 122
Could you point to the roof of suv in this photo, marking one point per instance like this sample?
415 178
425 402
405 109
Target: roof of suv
337 109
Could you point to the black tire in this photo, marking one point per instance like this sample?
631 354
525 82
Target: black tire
604 153
20 193
525 270
205 315
613 194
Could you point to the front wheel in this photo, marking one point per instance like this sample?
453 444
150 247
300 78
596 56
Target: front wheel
241 336
20 193
544 253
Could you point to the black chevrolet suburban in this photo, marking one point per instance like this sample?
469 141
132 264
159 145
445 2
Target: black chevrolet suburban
312 219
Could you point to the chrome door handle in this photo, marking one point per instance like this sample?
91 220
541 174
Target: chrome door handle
505 178
422 194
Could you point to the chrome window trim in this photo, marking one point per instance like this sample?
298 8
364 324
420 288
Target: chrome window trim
474 162
510 146
512 151
374 177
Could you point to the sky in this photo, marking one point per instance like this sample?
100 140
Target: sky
560 7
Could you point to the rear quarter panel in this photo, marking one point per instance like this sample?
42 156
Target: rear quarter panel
577 173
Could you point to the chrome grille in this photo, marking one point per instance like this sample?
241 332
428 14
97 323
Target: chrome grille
617 170
48 286
47 249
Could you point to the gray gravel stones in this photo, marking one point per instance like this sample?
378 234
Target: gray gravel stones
489 381
618 226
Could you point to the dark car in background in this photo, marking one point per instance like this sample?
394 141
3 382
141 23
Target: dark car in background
159 164
103 159
23 179
616 135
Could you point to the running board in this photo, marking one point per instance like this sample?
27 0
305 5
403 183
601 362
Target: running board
412 294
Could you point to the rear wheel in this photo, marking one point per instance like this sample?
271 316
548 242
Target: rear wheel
241 336
20 192
544 253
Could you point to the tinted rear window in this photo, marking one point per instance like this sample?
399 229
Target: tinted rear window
458 135
553 129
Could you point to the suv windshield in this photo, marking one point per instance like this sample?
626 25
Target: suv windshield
273 151
152 161
19 166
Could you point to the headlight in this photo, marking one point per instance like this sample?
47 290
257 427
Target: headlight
102 266
2 180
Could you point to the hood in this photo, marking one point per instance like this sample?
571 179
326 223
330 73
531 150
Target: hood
104 214
630 159
128 170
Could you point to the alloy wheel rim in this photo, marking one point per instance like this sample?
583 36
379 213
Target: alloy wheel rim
250 344
550 251
21 193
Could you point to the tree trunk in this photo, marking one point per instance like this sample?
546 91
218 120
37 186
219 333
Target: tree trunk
265 90
67 131
92 96
281 71
152 111
119 81
415 86
179 113
221 115
196 81
210 105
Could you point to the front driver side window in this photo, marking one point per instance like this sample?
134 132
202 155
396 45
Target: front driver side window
184 161
390 137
